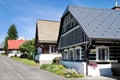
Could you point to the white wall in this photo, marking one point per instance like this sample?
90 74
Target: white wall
2 52
46 58
101 69
49 56
78 66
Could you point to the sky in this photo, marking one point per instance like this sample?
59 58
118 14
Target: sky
25 13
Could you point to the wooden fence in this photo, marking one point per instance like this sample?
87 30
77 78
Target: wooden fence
116 69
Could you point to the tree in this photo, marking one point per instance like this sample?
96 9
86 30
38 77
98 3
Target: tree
28 47
12 34
5 44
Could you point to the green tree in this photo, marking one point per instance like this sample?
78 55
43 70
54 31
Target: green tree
5 44
28 47
12 34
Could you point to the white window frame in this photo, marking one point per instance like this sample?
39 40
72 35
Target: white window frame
78 47
71 49
65 57
97 52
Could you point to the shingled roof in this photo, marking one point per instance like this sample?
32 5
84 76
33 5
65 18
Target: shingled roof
97 23
47 31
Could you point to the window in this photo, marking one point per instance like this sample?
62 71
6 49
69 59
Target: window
71 54
77 55
52 49
102 53
65 54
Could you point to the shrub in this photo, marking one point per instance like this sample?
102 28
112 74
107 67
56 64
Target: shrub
56 60
44 66
61 70
24 55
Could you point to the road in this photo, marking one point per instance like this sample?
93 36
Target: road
14 70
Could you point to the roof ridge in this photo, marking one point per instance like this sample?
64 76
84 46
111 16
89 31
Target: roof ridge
90 7
47 20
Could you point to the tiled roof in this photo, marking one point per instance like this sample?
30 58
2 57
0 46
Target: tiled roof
97 23
14 44
47 30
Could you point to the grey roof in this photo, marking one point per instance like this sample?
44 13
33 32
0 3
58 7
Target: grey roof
1 45
97 23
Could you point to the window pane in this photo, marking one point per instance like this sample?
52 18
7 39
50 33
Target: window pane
52 49
103 54
78 54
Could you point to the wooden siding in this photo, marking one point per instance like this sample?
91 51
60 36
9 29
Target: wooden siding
114 50
115 53
74 37
68 23
116 69
45 49
92 56
71 32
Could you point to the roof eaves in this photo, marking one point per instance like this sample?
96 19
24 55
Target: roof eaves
47 20
46 41
105 39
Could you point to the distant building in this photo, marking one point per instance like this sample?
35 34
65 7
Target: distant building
46 40
1 47
13 47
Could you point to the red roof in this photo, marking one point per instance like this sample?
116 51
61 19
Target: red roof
14 44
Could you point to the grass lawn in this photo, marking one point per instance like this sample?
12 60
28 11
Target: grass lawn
61 70
26 61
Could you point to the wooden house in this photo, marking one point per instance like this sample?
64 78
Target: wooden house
46 40
89 39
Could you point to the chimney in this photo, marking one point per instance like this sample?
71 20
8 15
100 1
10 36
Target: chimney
116 7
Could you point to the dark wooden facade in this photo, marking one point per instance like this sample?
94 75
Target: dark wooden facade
114 49
72 35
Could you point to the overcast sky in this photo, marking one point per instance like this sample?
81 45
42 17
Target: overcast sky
24 13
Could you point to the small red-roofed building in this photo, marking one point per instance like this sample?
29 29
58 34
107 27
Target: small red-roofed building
13 47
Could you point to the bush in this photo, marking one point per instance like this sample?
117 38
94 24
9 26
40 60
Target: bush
56 60
44 66
24 56
31 56
61 70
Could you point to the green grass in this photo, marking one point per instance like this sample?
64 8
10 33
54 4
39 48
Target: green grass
26 61
61 70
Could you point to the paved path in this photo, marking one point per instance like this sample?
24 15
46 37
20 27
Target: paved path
14 70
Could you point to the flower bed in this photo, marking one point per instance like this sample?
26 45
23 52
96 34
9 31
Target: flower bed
61 70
